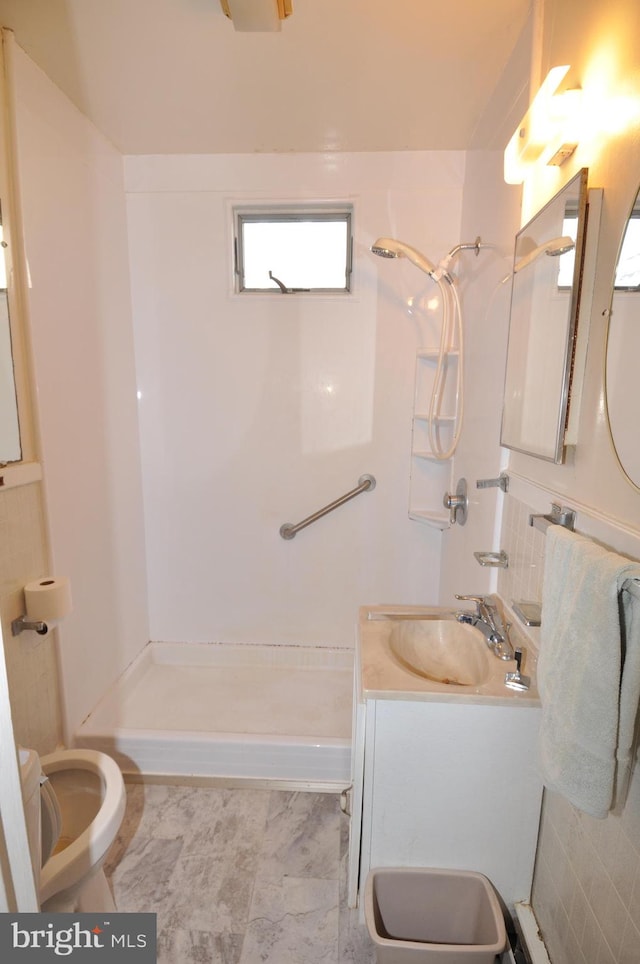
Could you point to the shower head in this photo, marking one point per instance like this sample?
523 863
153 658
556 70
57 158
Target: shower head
390 248
383 251
553 248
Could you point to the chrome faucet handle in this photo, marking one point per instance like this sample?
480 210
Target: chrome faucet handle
480 601
457 503
489 614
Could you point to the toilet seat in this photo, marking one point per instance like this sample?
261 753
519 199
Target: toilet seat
88 849
50 820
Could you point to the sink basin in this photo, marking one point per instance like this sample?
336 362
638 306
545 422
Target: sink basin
442 650
424 653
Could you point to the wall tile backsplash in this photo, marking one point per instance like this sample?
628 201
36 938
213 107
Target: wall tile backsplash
524 544
586 887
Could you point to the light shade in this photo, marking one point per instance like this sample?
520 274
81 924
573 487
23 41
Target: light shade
547 134
257 15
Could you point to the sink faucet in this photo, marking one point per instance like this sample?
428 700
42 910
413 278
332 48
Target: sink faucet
489 621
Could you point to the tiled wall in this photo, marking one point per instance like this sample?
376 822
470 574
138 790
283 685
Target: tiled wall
31 661
586 888
524 545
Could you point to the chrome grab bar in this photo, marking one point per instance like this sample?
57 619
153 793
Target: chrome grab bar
365 484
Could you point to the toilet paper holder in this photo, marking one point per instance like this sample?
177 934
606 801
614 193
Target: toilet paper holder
47 601
22 623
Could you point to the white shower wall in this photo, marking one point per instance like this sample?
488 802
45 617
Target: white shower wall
79 328
258 410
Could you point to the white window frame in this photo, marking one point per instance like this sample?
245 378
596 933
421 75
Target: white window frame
265 213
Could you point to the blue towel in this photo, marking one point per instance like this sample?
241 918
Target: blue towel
588 671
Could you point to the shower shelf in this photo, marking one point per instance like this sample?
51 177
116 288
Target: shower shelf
425 454
430 476
432 354
439 520
438 420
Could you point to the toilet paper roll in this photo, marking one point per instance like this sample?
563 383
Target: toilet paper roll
48 599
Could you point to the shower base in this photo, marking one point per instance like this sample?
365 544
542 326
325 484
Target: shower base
240 712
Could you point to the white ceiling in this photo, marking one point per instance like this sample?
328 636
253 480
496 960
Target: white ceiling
174 76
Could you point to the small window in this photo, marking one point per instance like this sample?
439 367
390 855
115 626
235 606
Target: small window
293 250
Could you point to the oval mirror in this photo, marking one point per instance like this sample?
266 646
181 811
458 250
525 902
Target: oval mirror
622 392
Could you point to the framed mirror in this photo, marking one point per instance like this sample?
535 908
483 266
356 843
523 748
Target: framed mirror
622 391
545 297
10 448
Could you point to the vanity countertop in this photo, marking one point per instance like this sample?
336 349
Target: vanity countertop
381 676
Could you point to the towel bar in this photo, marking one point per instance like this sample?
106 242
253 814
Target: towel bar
559 516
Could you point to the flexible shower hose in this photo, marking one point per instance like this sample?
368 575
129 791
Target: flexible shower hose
451 332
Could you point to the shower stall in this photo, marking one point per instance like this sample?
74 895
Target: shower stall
257 713
212 420
277 711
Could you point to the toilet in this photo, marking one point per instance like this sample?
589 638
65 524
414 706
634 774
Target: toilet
74 804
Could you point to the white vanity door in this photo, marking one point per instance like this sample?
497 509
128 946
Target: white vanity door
454 786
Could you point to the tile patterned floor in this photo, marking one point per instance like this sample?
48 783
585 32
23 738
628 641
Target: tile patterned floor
238 876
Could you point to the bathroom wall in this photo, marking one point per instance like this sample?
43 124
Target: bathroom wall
258 410
599 43
72 194
587 886
586 892
31 661
491 209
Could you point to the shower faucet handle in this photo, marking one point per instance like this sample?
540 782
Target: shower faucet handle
457 503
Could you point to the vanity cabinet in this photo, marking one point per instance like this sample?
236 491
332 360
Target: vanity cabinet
448 784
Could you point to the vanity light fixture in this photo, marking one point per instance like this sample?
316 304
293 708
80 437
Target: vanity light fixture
257 15
547 134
